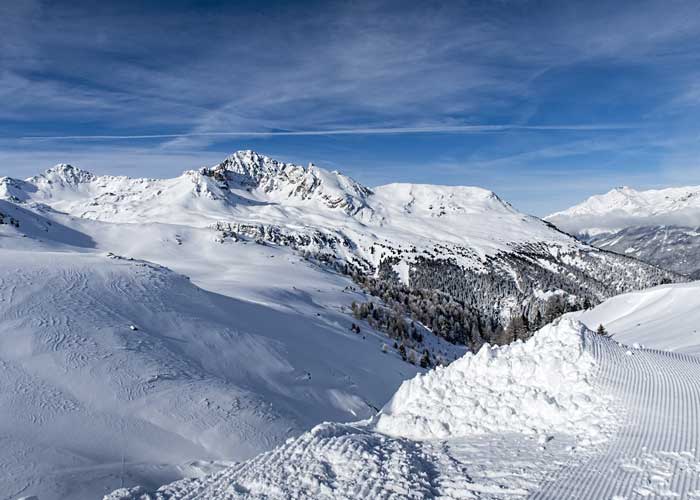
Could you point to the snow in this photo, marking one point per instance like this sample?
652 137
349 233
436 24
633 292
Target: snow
248 188
373 458
648 447
539 386
116 371
89 404
381 457
654 226
138 345
654 453
664 317
402 269
626 207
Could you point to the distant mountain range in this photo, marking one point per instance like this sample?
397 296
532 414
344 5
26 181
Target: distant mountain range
658 226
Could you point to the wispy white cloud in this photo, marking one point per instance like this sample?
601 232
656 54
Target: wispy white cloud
451 129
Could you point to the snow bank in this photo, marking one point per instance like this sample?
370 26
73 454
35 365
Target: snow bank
330 462
539 386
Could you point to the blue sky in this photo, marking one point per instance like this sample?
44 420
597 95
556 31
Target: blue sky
544 102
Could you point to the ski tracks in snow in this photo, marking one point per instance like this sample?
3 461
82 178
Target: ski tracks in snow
654 453
651 451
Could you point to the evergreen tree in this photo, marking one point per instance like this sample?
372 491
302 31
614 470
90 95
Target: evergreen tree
425 359
402 351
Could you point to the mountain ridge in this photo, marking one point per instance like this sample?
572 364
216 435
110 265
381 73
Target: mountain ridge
499 264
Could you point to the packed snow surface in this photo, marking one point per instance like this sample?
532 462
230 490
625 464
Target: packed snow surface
654 453
664 317
539 386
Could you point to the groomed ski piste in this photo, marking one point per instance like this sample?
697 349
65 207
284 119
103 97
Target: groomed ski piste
567 414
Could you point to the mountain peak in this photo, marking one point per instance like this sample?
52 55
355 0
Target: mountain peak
250 170
64 173
248 167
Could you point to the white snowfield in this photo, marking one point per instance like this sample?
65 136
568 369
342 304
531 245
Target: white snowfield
213 341
665 317
626 207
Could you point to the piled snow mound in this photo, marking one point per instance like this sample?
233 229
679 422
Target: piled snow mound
539 386
332 461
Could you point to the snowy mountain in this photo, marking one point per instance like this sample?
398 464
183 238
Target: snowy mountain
178 323
433 237
567 414
658 226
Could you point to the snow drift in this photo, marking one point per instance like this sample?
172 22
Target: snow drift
650 450
539 386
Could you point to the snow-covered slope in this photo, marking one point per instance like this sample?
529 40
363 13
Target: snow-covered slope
117 371
639 438
247 188
665 317
657 226
459 403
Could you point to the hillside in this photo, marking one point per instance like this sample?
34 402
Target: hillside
181 322
117 371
